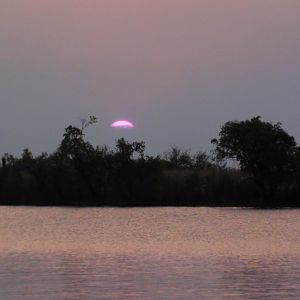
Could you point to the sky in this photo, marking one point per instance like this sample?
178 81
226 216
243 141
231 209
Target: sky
177 69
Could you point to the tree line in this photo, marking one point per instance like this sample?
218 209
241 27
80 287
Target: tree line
80 174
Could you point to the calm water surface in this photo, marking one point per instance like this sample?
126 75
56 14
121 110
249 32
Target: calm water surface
149 253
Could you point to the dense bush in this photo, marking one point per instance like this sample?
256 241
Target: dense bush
79 174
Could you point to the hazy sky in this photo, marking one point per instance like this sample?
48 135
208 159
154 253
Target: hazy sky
178 69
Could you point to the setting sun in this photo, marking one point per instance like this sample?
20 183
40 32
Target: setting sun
122 124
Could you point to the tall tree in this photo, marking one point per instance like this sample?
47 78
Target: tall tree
80 154
263 149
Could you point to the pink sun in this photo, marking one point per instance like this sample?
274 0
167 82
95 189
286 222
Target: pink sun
122 124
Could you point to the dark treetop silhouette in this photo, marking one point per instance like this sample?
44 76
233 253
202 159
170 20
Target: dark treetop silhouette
264 150
79 174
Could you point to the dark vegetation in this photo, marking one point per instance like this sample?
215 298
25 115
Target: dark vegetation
79 174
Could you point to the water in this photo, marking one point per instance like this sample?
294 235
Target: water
149 253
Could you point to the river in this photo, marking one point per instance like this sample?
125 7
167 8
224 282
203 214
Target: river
149 253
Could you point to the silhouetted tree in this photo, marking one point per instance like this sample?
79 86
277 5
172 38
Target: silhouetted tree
8 160
263 149
201 160
297 172
80 174
85 123
179 158
73 144
126 150
81 154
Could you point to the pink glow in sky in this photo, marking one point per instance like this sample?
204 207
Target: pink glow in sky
122 124
178 68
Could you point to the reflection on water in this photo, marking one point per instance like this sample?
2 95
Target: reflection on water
149 253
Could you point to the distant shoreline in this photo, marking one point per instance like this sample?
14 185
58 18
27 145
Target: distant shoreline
79 174
161 206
